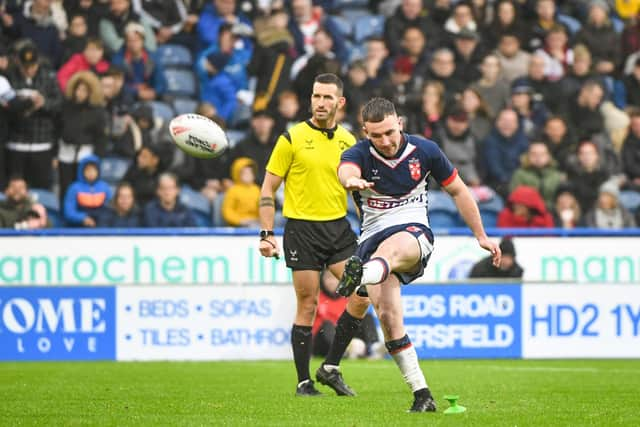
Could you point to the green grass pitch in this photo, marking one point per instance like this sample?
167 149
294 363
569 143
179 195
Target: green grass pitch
495 392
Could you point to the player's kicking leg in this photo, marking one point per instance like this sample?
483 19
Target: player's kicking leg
387 302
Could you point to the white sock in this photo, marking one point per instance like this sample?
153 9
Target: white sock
407 361
375 271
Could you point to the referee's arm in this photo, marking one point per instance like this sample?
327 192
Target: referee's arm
270 185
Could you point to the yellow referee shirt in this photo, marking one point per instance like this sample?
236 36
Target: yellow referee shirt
308 161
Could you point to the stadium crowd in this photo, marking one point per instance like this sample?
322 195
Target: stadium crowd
536 102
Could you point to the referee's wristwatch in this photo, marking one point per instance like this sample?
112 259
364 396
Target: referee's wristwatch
266 233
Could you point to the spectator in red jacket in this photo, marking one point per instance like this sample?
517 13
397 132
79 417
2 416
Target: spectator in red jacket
91 59
525 209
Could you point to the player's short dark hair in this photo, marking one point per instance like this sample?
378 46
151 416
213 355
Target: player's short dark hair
330 78
377 109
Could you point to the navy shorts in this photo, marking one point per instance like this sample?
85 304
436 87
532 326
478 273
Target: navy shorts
422 233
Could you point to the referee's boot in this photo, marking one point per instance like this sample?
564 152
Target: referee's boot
423 401
351 277
333 379
307 389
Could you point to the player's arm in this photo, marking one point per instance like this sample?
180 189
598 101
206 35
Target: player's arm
469 210
350 177
267 211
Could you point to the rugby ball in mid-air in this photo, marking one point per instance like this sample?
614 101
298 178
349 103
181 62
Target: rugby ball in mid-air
198 136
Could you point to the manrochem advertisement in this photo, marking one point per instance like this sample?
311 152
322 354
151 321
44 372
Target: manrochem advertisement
157 260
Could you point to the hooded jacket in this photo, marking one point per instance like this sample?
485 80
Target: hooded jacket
241 200
85 198
528 196
84 124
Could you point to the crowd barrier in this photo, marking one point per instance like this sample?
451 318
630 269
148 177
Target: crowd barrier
199 294
253 322
214 256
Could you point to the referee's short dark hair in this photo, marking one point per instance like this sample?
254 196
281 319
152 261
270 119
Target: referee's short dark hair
330 78
377 109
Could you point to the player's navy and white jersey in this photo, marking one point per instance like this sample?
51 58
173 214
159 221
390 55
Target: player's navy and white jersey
399 194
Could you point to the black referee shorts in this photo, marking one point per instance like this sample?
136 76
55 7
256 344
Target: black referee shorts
312 245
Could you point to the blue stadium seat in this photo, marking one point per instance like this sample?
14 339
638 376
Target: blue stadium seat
174 55
356 51
50 201
2 197
490 209
630 200
572 24
442 219
443 212
353 14
235 136
350 4
162 110
185 105
199 204
354 221
344 25
368 26
216 209
181 83
112 169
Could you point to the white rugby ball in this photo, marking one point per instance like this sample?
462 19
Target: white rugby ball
198 136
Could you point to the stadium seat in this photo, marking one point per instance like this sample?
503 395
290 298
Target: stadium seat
356 51
489 211
235 136
112 169
173 55
199 204
180 83
162 110
50 201
354 14
2 197
343 25
341 5
572 24
216 209
185 105
443 212
442 219
630 200
367 26
354 221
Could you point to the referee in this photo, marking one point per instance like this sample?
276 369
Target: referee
317 234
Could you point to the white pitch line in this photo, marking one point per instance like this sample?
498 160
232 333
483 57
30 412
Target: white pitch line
561 369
